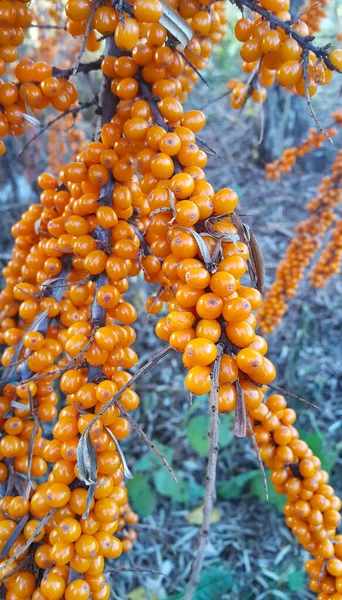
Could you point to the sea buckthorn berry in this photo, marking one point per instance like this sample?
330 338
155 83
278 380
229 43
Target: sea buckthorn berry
209 306
249 360
199 352
240 333
126 34
53 586
148 11
197 277
336 58
289 73
187 213
225 201
236 309
223 284
57 495
198 380
243 29
77 589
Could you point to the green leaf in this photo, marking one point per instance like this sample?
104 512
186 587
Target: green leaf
198 433
232 488
141 495
166 486
213 584
257 489
151 460
226 429
196 491
296 580
317 442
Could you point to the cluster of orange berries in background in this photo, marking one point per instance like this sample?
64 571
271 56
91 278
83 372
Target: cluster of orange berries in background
312 507
313 13
288 159
17 100
329 262
270 55
302 248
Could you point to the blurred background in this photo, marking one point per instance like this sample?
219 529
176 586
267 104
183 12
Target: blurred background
251 554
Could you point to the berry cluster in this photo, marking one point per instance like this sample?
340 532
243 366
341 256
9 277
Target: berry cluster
313 13
312 507
288 159
329 262
271 54
302 248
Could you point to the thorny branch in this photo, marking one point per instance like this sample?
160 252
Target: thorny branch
83 68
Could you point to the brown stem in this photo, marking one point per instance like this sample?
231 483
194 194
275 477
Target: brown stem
210 480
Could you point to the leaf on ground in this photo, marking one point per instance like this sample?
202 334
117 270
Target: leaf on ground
166 486
195 517
141 495
257 489
213 584
319 446
233 487
140 593
197 433
151 460
296 580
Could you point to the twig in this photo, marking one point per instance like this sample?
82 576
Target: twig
71 111
307 95
86 35
286 393
210 479
256 448
37 26
84 68
134 570
115 400
216 99
28 542
195 70
141 433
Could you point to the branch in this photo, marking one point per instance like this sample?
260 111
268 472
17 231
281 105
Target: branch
37 26
307 94
210 479
286 393
86 35
84 68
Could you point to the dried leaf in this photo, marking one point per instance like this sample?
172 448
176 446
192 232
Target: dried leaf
240 420
14 535
127 472
176 25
